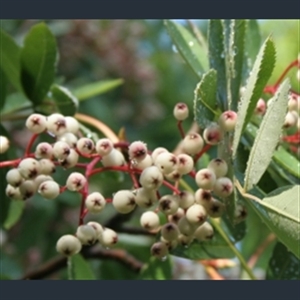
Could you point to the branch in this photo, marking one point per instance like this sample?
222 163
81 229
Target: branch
60 262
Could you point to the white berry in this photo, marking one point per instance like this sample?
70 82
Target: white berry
68 245
95 202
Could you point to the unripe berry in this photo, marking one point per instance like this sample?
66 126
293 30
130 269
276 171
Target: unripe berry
215 208
185 227
114 158
72 125
171 245
205 179
13 192
168 204
186 199
47 166
151 178
36 123
218 166
205 232
29 168
159 250
61 150
137 151
166 162
4 144
177 216
192 143
145 198
290 120
149 220
56 124
68 245
181 111
184 240
158 151
145 163
95 202
203 197
173 176
213 134
223 187
185 164
69 138
71 160
104 146
227 120
27 189
14 178
196 214
85 146
43 150
170 231
40 179
108 238
98 228
49 189
240 213
76 181
260 107
87 234
124 201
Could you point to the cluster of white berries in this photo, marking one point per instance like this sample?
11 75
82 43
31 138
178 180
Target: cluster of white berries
187 213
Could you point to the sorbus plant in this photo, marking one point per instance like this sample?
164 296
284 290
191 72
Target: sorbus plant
196 201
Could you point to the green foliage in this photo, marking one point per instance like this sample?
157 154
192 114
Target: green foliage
188 47
283 264
156 269
225 59
204 100
38 62
10 59
79 268
268 134
96 88
259 76
16 209
66 103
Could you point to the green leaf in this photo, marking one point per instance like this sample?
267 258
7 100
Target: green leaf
79 268
260 74
280 211
253 39
267 137
205 99
157 269
96 88
287 161
66 102
236 58
3 85
281 156
13 103
15 212
283 264
188 46
10 59
216 248
38 62
217 59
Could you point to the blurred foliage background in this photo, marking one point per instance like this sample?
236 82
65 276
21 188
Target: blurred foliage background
155 78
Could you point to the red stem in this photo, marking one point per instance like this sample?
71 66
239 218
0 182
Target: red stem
133 178
8 163
171 187
291 65
179 125
30 144
205 149
121 145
